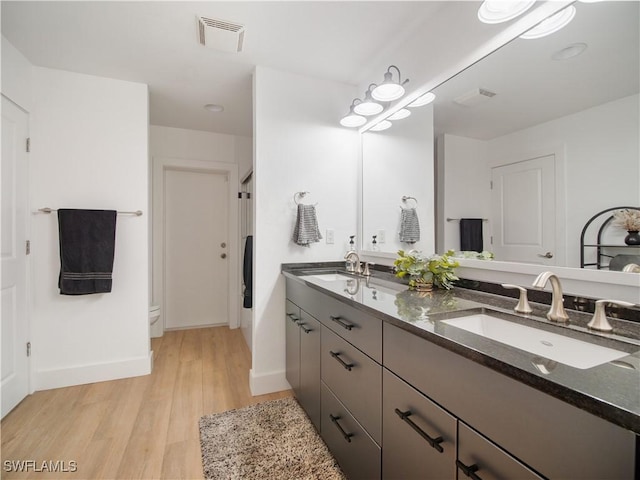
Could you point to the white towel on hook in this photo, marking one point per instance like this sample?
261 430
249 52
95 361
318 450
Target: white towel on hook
306 230
409 225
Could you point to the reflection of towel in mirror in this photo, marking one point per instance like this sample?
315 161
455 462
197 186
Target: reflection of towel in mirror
247 273
409 225
306 230
471 234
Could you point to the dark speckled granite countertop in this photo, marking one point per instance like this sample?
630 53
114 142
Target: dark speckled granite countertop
610 390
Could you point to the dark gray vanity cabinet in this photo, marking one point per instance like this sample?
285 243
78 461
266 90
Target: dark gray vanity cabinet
419 436
551 437
303 359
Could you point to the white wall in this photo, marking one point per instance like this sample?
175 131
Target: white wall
89 150
16 76
299 146
465 189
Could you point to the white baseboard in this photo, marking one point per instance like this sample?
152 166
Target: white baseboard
99 372
267 382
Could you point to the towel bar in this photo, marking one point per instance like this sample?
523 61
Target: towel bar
457 219
137 213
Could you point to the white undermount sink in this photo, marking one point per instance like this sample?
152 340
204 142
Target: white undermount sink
552 346
329 277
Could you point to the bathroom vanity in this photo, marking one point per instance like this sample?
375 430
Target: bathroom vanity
402 384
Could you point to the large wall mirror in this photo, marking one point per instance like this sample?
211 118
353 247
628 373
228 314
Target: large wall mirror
534 139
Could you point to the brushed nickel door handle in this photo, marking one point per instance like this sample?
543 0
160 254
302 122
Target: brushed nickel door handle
546 255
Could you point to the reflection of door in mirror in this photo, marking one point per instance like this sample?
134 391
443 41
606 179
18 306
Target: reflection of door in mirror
523 210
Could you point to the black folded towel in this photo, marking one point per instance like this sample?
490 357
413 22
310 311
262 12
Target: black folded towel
471 234
87 244
247 273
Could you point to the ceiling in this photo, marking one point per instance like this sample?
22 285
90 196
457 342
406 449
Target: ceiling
156 43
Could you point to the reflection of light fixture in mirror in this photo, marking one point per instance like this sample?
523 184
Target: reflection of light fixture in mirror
212 107
551 24
368 106
423 100
389 89
400 114
498 11
378 127
352 119
571 51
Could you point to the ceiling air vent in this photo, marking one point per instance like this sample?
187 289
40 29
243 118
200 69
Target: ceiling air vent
474 97
220 34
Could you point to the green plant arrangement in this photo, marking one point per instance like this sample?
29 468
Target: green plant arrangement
426 271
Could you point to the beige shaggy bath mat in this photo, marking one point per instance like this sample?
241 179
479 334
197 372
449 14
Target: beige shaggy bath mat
265 441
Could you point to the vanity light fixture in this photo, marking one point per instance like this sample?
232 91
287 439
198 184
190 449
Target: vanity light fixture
423 100
368 106
383 125
498 11
389 89
352 119
551 24
400 114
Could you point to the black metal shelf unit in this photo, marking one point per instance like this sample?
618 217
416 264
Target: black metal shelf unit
600 255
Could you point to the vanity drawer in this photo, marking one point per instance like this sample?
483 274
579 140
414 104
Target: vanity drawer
488 461
355 379
513 415
356 452
408 415
358 328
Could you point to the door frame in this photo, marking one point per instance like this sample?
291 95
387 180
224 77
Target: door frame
159 166
559 153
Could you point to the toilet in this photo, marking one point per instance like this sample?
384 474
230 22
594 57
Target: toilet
154 314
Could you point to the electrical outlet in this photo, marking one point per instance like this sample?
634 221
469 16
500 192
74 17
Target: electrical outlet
381 236
330 236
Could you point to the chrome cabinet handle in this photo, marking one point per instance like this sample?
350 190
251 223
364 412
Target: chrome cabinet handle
347 366
292 317
340 322
347 436
434 442
546 255
305 329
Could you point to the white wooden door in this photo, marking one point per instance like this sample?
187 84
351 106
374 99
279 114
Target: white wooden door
523 211
196 240
13 298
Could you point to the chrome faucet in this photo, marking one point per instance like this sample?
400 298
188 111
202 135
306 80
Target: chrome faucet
353 265
556 313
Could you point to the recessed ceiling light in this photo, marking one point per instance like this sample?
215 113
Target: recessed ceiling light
423 100
383 125
212 107
498 11
551 24
571 51
400 114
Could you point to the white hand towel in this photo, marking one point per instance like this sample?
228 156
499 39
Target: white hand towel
409 226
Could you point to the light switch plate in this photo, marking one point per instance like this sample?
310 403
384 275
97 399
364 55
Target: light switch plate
381 236
330 236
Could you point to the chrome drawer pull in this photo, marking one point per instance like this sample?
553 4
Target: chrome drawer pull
347 366
340 322
347 436
469 471
292 317
434 442
305 329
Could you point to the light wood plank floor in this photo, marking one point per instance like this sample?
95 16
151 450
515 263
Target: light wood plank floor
136 428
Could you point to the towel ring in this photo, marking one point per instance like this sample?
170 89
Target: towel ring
300 195
405 199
